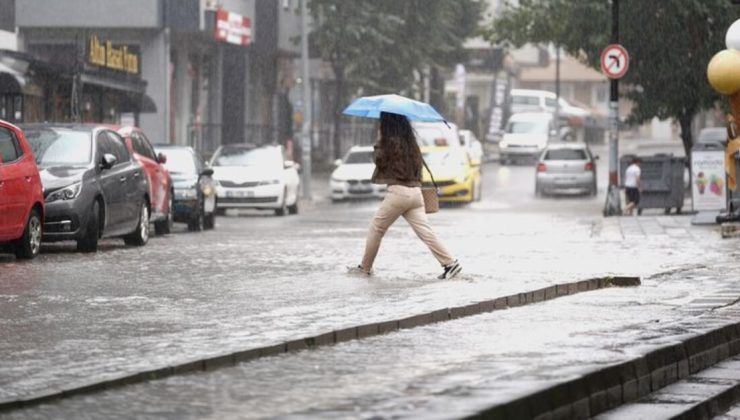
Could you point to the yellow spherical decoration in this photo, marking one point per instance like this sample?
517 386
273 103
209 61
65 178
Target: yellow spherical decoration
724 72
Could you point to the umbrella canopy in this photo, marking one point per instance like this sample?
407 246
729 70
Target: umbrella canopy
372 106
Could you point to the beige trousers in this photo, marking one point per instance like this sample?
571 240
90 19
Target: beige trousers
406 202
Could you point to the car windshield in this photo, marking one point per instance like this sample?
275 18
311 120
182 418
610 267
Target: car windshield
527 127
713 134
436 135
179 161
444 158
359 157
242 156
566 154
60 147
525 100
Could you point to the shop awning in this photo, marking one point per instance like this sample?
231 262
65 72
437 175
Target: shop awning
139 102
11 80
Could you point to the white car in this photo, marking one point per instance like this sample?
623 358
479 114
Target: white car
526 135
255 177
532 100
351 178
436 134
474 146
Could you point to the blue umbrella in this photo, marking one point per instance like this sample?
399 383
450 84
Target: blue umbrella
372 106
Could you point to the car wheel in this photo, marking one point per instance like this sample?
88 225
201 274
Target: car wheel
140 236
209 221
164 227
89 242
196 221
29 245
283 210
293 209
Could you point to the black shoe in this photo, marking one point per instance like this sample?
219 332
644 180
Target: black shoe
451 270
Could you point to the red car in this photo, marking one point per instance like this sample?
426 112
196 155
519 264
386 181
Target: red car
160 183
21 194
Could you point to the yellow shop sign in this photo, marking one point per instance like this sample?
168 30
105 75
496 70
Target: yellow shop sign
116 57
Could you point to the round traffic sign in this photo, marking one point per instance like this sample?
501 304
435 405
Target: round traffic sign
615 61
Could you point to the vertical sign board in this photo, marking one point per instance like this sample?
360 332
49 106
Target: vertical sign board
233 28
708 180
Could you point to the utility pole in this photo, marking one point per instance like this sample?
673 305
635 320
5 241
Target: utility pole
557 89
306 128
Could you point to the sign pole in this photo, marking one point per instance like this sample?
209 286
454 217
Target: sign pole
613 204
306 142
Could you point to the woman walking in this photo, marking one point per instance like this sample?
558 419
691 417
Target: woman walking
398 164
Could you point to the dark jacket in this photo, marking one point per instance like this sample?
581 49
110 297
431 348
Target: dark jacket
392 172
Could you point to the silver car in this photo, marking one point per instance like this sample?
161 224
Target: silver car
566 168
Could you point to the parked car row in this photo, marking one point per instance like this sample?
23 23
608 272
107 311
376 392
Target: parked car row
448 154
85 182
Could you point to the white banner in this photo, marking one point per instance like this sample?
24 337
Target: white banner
709 181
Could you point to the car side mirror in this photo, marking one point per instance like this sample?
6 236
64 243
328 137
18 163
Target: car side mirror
162 158
288 164
474 163
338 162
206 172
553 133
108 161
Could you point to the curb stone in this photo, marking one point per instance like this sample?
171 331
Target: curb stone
334 337
609 387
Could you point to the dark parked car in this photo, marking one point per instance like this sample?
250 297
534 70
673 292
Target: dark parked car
195 189
93 188
21 198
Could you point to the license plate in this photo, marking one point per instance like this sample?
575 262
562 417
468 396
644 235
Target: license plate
239 194
360 190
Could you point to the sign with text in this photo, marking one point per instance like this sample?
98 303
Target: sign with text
708 180
233 28
124 58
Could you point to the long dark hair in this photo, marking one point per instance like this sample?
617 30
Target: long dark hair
401 154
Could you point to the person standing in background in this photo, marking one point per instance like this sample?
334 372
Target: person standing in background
632 186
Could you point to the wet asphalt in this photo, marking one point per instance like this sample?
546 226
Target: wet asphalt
258 279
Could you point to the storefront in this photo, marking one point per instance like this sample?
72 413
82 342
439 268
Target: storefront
92 79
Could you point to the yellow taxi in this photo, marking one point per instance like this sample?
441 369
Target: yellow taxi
457 177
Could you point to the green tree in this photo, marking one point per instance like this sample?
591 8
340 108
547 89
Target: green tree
388 46
670 44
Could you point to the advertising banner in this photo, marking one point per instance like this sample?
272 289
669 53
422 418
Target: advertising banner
708 180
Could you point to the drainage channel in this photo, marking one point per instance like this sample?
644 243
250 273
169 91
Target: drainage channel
330 338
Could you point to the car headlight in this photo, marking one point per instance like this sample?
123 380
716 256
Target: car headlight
186 193
269 182
67 193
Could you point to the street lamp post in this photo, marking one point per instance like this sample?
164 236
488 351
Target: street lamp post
306 127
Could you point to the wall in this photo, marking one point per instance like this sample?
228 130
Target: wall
87 13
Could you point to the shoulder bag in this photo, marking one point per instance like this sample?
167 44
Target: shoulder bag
430 194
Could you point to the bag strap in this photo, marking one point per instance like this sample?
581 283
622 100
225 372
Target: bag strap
430 174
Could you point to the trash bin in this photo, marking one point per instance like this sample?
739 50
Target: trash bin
661 180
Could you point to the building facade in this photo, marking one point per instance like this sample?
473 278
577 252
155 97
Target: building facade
192 72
